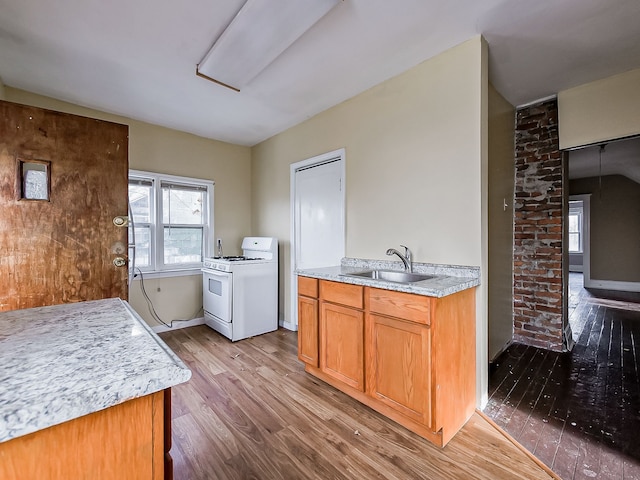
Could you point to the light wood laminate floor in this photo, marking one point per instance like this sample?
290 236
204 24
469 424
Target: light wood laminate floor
251 412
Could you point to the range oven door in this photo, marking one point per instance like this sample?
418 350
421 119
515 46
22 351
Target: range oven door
217 294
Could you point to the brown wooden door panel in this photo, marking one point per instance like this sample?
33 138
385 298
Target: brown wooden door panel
62 250
400 366
342 344
308 330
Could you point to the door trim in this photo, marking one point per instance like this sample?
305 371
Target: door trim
586 235
339 154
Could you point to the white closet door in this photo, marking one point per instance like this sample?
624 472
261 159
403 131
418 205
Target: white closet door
319 216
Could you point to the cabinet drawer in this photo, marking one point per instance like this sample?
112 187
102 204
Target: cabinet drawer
342 293
308 287
408 306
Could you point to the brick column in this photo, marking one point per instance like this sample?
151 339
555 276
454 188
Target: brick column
538 224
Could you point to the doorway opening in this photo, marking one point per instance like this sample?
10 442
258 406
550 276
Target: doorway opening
604 258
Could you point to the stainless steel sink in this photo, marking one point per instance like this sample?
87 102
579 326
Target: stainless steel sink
391 276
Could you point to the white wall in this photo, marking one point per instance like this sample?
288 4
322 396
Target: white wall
599 111
2 91
416 170
163 150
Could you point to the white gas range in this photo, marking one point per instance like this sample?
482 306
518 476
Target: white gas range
240 293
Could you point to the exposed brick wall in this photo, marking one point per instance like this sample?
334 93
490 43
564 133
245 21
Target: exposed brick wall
537 267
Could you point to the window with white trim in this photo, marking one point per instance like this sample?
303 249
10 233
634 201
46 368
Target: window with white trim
576 210
173 220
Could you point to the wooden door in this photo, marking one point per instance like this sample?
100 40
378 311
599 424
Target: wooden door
342 344
61 250
400 368
308 330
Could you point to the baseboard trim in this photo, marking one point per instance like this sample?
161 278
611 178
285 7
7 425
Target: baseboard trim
288 326
568 340
576 268
501 351
178 324
612 285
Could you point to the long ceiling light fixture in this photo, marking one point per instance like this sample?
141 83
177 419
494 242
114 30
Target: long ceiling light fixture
258 34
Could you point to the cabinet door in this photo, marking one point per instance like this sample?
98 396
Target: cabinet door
399 370
308 330
123 441
342 344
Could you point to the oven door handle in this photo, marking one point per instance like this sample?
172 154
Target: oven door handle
216 273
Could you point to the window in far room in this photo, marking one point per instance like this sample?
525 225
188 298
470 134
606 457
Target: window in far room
576 210
173 218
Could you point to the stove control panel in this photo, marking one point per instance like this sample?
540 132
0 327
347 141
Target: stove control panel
214 265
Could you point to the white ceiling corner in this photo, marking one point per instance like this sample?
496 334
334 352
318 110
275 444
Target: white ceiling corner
138 59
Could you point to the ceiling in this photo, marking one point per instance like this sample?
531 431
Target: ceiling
618 158
137 59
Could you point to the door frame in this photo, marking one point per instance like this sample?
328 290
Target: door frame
294 167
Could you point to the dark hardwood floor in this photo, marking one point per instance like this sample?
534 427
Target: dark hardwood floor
579 412
251 412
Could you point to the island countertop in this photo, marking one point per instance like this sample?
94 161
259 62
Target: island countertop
447 279
61 362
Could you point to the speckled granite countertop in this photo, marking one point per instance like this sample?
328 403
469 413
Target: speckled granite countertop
448 279
61 362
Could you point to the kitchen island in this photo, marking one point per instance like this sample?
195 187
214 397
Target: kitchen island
84 393
405 349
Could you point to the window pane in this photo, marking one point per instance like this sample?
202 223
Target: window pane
35 180
573 223
182 206
182 245
180 214
574 242
143 247
140 201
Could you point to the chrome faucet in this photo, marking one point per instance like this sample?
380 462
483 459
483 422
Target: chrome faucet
406 258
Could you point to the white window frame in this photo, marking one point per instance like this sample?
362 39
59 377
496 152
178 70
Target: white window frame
579 211
157 268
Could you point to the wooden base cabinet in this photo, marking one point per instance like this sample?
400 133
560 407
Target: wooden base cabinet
410 357
124 441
